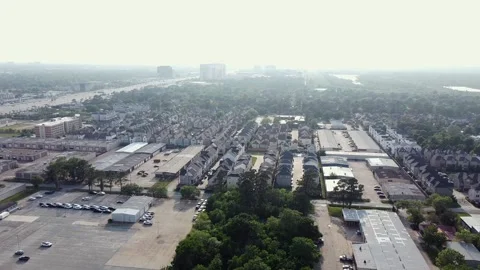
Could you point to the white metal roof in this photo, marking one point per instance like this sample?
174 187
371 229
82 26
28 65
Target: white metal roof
126 211
381 162
340 172
131 148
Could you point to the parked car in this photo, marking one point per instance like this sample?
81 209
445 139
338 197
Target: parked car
86 198
38 196
19 252
120 202
376 187
380 193
77 207
93 192
345 258
24 259
86 207
148 222
49 192
150 213
101 193
382 196
194 217
97 210
32 199
106 211
46 244
347 267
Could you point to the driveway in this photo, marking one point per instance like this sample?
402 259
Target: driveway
334 236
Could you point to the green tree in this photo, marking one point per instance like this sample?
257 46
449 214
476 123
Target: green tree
465 236
309 184
131 189
448 218
189 192
434 238
120 180
449 256
158 190
266 121
304 252
36 181
347 191
440 203
415 216
199 248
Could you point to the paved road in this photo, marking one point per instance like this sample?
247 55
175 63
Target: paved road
27 105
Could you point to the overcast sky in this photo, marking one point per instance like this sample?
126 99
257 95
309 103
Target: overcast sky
302 34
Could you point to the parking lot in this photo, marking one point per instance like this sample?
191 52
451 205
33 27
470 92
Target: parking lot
83 239
365 177
344 142
149 167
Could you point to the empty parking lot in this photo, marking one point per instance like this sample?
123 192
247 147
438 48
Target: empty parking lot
365 177
84 240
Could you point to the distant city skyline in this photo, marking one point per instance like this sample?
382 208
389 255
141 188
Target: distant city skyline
301 34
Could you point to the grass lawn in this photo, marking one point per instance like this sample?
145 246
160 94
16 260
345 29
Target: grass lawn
19 196
162 184
8 135
335 211
254 159
463 214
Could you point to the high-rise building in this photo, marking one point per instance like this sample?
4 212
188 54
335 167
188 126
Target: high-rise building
212 72
165 72
57 127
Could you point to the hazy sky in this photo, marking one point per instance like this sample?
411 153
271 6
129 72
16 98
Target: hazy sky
307 34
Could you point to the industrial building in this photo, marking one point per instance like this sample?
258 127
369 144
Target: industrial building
334 161
22 154
471 253
128 158
57 127
471 223
181 160
337 172
132 209
387 244
382 163
356 156
212 72
38 169
327 140
6 165
363 142
397 185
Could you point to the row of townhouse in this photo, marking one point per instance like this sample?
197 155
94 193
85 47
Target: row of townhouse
451 161
311 166
305 137
226 164
59 144
432 180
269 136
246 134
242 165
284 171
267 167
199 166
469 182
391 141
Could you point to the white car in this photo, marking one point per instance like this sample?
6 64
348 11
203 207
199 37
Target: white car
85 198
101 193
67 206
46 244
147 222
39 196
194 217
77 207
32 199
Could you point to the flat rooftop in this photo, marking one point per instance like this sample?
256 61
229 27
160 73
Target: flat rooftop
329 160
131 148
150 148
388 245
174 165
330 184
381 162
108 159
327 139
56 121
128 163
341 172
359 155
363 141
24 152
473 221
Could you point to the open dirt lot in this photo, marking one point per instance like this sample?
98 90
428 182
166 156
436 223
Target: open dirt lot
153 247
365 177
84 240
334 235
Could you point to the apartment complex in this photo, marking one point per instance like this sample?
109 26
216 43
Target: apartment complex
57 127
212 72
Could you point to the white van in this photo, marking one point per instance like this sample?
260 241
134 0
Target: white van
4 215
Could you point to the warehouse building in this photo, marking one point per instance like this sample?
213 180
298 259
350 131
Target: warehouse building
387 244
327 140
58 144
22 154
337 173
132 209
334 161
382 163
173 167
356 156
471 253
363 142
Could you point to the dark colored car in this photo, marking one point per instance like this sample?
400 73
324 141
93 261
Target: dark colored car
120 202
24 259
112 208
93 192
97 210
106 211
49 192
